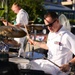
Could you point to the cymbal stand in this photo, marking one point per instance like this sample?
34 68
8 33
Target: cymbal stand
32 31
28 54
34 40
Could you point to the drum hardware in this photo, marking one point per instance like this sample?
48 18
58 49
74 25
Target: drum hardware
33 46
3 52
3 46
5 49
8 31
33 28
30 55
13 32
34 31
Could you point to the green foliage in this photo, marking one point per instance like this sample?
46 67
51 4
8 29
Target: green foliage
1 11
72 21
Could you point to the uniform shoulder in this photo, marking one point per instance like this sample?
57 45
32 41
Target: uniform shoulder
69 34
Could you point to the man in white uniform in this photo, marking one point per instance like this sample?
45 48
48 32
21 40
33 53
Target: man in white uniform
60 46
21 20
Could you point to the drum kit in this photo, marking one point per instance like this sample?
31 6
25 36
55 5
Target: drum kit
7 33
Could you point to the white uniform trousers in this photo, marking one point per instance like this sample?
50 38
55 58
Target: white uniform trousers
46 66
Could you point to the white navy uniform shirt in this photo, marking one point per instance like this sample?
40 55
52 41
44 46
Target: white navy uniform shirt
61 46
21 18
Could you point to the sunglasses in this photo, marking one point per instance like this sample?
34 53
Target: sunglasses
50 24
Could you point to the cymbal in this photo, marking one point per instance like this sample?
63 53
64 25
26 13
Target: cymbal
35 27
13 32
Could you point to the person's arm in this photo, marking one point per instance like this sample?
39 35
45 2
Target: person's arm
71 46
7 23
66 67
40 44
73 61
10 24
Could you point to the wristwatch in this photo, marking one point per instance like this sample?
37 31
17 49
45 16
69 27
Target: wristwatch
70 64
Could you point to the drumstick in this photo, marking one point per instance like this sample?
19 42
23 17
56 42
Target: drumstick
26 30
28 34
52 62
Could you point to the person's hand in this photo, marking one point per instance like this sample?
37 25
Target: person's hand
29 40
18 26
28 37
65 67
5 23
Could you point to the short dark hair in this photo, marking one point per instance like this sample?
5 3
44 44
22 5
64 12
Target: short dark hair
17 3
53 15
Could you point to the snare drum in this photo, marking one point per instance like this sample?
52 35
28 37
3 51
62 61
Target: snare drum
22 63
